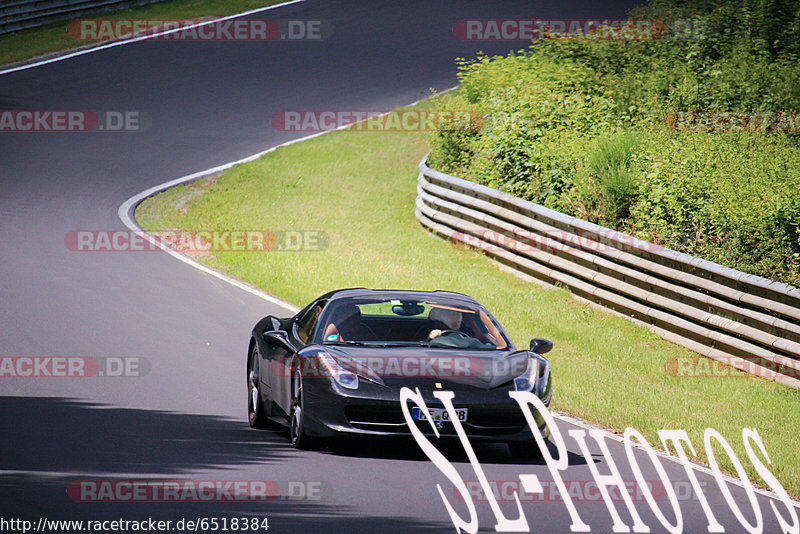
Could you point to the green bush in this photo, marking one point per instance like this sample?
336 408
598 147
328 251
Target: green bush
611 167
735 202
581 126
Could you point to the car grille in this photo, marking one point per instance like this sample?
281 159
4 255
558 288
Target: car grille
481 421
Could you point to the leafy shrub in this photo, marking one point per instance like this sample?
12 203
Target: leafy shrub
579 126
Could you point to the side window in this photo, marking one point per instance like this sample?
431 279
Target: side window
306 324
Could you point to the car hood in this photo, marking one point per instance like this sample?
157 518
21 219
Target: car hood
423 366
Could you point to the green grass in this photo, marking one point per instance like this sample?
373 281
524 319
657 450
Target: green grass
27 44
359 187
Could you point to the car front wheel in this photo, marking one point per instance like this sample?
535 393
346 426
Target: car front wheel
297 433
255 408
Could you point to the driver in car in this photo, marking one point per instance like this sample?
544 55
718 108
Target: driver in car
447 318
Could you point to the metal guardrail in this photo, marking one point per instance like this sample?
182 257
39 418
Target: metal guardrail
744 320
16 15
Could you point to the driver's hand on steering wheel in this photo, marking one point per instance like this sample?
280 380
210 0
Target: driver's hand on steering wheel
434 333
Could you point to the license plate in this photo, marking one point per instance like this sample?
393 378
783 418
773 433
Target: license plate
438 414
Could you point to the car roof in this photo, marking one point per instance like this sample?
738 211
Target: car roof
400 294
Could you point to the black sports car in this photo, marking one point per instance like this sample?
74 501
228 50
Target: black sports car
337 367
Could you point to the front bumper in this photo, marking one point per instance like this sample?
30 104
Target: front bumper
374 410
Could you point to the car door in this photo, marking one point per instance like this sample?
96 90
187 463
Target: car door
300 334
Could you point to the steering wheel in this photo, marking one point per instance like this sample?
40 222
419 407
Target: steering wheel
458 333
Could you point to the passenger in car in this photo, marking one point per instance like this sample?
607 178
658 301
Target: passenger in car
345 324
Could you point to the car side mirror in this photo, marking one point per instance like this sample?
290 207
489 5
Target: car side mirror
540 345
280 339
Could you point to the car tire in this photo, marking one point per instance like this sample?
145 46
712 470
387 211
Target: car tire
255 408
524 450
297 433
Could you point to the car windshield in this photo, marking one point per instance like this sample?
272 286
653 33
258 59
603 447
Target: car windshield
398 322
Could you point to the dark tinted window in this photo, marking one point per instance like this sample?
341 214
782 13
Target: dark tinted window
306 324
457 323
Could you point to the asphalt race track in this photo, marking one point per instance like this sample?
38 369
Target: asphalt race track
184 416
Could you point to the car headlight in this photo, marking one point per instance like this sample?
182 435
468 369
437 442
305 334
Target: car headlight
343 377
527 381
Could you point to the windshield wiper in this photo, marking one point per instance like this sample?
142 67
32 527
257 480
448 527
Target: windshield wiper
405 344
340 342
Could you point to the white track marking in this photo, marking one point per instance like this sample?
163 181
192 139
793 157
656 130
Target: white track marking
142 38
127 208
